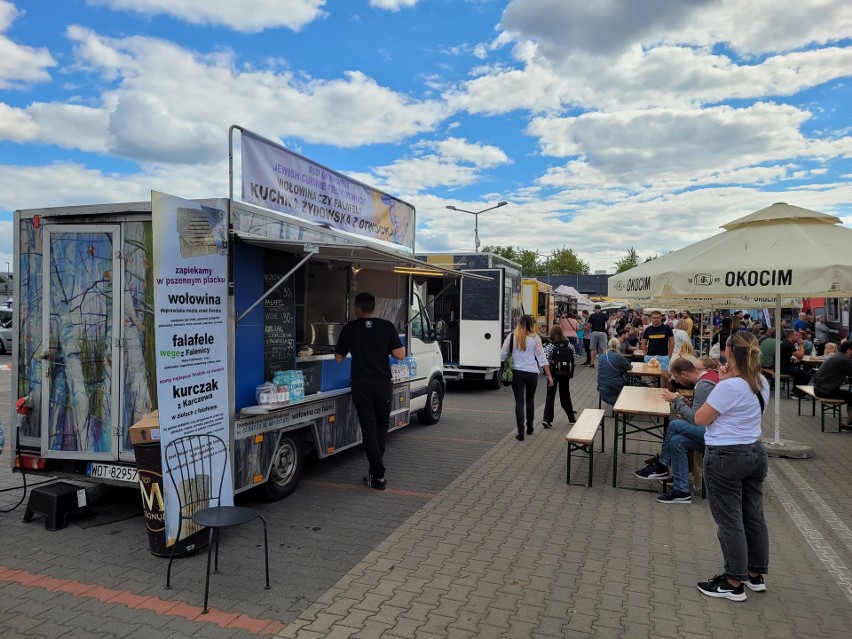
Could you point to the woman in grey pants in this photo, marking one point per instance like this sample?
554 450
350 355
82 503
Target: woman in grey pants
735 466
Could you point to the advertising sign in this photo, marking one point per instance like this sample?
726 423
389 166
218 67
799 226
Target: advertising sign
277 179
190 312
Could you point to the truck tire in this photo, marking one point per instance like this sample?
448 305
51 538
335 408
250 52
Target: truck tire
494 383
431 413
288 461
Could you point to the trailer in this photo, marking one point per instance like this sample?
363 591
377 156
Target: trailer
473 317
538 300
193 307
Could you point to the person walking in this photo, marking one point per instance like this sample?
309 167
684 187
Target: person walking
527 358
598 340
570 326
735 466
587 337
370 340
560 357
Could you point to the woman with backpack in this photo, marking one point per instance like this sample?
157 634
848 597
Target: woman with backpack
570 328
524 344
560 355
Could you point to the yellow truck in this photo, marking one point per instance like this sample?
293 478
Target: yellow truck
537 299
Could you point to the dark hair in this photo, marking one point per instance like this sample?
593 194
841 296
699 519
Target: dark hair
726 322
597 307
846 345
556 333
623 331
681 365
366 302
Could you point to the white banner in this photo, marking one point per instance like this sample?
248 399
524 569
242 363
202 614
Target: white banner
277 179
190 313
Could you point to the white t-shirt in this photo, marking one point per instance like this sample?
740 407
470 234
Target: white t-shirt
739 413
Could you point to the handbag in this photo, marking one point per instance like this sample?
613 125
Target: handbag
506 368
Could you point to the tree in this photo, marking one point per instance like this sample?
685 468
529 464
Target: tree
565 261
526 258
629 261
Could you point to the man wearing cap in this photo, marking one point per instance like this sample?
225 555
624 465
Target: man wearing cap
682 435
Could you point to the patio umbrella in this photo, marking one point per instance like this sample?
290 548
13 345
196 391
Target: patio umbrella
772 257
583 302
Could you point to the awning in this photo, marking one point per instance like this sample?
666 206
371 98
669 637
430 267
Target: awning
361 255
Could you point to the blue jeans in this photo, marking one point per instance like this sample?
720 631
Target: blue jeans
734 478
681 436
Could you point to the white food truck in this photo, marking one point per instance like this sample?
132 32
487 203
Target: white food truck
189 306
473 317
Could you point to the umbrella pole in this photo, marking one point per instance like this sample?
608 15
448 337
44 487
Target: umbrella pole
778 338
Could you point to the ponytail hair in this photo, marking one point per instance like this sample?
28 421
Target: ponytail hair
524 329
744 354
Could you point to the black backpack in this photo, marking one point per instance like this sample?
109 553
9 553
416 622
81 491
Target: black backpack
562 359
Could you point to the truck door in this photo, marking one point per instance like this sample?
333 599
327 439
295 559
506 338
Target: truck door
481 326
81 372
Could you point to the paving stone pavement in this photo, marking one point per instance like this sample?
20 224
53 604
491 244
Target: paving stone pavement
481 538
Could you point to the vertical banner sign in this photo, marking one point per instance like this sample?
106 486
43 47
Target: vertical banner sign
190 312
277 179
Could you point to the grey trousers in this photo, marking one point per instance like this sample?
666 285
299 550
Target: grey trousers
734 478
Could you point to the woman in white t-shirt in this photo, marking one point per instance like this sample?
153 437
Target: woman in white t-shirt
527 357
735 466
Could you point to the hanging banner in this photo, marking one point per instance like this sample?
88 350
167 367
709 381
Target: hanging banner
190 315
278 179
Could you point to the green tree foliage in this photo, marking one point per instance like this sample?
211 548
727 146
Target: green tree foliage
562 261
565 261
629 261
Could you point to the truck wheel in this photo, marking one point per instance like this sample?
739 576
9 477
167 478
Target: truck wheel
287 464
494 383
431 413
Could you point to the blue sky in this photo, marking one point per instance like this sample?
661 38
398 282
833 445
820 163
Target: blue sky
606 125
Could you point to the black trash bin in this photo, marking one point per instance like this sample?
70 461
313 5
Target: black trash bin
145 437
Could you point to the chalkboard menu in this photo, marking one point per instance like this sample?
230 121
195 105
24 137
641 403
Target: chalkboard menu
313 376
279 323
481 298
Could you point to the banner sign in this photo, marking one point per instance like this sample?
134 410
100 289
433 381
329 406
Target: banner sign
278 179
190 314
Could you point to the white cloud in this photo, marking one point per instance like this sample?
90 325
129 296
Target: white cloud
250 16
20 64
164 103
16 124
392 5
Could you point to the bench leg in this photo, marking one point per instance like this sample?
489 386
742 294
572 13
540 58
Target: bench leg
800 404
603 434
821 416
591 449
615 452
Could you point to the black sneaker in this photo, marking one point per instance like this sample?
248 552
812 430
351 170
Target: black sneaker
373 482
546 425
654 472
755 583
519 437
529 430
720 587
675 497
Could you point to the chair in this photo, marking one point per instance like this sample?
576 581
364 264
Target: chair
197 478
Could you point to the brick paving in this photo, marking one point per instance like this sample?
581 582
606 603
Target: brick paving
479 536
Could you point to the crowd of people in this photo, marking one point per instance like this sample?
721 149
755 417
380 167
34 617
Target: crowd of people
722 417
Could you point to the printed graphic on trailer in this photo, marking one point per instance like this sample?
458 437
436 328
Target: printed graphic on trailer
190 312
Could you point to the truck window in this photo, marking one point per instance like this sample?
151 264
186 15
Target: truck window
420 327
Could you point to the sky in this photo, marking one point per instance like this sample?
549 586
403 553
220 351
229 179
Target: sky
605 125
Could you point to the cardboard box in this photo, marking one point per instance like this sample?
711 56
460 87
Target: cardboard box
146 430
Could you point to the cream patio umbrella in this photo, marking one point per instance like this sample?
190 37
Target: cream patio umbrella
771 257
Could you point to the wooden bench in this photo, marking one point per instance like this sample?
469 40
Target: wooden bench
825 405
785 379
582 438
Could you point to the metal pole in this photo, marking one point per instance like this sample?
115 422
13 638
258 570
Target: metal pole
778 337
476 231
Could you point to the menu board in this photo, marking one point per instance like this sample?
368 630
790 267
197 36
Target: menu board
279 322
481 298
313 376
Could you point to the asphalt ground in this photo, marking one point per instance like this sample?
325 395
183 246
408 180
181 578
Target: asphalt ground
478 535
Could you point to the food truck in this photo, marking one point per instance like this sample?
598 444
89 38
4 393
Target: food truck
538 300
223 314
473 317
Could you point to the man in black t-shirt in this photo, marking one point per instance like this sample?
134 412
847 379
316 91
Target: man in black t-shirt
658 343
831 377
791 353
597 338
370 340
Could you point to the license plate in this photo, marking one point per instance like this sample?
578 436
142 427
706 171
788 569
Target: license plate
113 472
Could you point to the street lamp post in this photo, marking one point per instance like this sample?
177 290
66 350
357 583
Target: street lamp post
476 216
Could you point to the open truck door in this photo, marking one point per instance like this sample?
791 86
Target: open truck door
481 327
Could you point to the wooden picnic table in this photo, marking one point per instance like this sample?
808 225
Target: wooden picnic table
632 402
812 360
641 369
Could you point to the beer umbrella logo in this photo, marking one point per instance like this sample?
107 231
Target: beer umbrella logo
702 279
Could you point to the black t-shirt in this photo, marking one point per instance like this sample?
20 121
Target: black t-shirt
832 374
658 339
598 321
370 340
787 350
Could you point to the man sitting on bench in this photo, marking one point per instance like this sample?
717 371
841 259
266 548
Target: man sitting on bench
682 435
832 374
